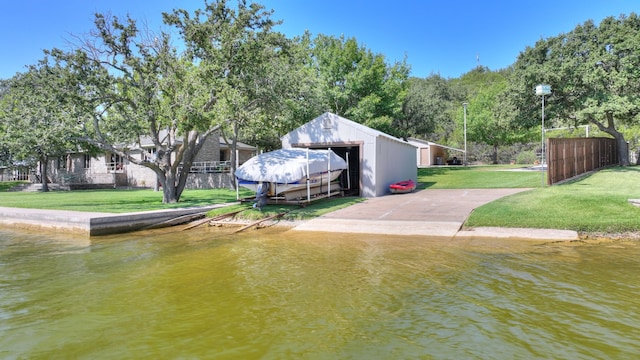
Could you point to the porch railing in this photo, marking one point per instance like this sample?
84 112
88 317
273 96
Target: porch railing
209 167
198 167
115 167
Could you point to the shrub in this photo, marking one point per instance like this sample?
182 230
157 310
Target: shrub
526 157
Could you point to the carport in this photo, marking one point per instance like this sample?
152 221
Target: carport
430 153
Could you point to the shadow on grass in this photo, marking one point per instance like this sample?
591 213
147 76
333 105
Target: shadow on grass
632 168
424 185
614 169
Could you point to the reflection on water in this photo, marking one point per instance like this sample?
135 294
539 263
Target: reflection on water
272 294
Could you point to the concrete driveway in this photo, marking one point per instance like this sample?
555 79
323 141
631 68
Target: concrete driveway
437 212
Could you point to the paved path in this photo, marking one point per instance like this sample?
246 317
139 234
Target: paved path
93 223
438 212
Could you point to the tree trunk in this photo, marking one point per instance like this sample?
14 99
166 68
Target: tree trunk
169 193
623 147
43 173
623 150
495 154
174 183
191 147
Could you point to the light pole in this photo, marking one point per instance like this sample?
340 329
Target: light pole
542 90
464 161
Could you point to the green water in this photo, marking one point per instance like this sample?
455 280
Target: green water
270 294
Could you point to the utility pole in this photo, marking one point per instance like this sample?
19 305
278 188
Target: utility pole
542 90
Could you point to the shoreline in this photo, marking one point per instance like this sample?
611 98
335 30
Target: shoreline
582 236
286 225
434 213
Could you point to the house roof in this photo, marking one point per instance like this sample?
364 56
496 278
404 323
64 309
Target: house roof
146 142
239 145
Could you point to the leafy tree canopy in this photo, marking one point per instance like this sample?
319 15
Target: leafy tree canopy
36 122
593 72
426 107
358 84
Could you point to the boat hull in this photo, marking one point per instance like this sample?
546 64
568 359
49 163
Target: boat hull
287 170
276 189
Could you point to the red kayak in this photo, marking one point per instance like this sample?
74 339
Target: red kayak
402 187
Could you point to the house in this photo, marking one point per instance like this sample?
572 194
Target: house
210 168
429 153
375 159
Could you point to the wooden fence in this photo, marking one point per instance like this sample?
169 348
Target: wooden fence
570 157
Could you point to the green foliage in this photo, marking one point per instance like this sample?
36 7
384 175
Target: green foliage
526 157
8 185
356 83
593 72
36 122
426 106
131 88
250 71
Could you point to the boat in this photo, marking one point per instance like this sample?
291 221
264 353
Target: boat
402 187
289 170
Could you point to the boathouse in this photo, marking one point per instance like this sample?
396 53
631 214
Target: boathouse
375 159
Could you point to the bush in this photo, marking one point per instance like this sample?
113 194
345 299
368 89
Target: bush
526 157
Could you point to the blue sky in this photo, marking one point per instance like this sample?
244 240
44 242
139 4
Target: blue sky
445 37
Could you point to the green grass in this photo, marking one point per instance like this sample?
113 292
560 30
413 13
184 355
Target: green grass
595 203
478 177
122 201
293 212
113 201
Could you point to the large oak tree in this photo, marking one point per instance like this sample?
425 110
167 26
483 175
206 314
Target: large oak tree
249 69
593 72
36 123
134 85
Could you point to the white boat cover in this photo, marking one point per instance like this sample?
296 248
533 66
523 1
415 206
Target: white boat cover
287 166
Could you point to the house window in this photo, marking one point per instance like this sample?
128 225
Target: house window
62 163
149 154
87 161
223 155
115 163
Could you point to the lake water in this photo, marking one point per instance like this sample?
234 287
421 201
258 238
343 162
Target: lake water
271 294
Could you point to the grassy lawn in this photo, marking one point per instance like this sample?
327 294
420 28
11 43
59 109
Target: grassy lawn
595 203
478 177
113 201
123 201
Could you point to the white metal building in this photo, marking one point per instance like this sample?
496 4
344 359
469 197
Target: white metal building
375 159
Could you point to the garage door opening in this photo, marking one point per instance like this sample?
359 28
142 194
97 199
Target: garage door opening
349 180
